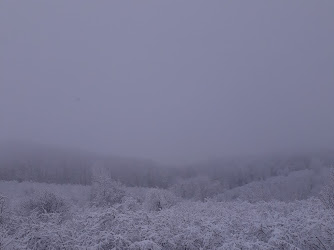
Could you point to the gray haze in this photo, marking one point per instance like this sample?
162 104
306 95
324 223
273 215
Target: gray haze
175 81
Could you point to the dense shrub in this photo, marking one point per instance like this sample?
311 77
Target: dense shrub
45 203
158 199
3 208
130 204
327 194
106 192
145 245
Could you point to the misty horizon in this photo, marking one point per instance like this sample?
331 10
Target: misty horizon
168 81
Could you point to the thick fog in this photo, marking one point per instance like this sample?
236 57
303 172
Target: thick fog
173 81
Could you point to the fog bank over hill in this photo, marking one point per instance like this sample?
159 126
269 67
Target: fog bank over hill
51 164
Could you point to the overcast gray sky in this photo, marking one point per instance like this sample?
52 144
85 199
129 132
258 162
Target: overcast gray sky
175 81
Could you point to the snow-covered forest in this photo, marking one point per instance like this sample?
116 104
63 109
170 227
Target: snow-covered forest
272 202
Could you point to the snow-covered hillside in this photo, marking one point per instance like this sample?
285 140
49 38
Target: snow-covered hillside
112 216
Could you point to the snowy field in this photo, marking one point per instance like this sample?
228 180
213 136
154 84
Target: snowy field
111 216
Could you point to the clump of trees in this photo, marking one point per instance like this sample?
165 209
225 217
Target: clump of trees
297 185
197 188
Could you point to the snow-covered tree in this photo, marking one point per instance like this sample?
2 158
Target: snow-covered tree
158 199
106 192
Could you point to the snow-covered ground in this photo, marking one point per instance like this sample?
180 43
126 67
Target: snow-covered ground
154 219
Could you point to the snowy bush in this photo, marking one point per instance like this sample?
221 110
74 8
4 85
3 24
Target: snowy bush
106 192
138 193
145 245
130 204
158 199
3 208
327 194
45 203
